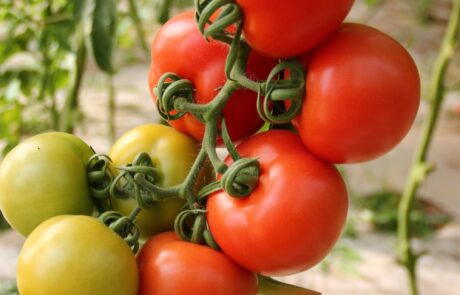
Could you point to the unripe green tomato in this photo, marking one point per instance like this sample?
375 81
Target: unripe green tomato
173 154
42 177
76 255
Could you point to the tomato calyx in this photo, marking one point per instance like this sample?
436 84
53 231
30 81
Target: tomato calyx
278 89
123 226
191 225
172 92
241 177
100 178
215 17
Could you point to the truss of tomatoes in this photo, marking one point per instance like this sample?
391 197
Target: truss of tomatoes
362 96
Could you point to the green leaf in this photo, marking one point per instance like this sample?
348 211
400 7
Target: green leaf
269 286
103 33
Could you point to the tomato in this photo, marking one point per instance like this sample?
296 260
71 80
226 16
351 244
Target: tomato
168 265
76 255
290 28
172 153
42 177
180 48
363 92
291 219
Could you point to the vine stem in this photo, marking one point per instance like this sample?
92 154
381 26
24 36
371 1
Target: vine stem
420 167
111 109
71 103
134 13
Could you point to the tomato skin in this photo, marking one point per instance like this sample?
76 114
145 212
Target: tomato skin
294 215
290 28
180 48
42 177
168 265
172 153
363 93
76 255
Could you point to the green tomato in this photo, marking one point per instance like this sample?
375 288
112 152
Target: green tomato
173 154
75 255
42 177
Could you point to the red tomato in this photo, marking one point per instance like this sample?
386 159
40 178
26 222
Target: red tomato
180 48
168 265
294 215
290 28
363 92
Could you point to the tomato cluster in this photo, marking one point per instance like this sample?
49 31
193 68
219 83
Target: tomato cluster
275 206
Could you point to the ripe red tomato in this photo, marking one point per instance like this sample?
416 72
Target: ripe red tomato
294 215
363 92
168 265
290 28
180 48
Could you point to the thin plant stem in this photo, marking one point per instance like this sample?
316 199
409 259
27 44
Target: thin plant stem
134 13
420 167
71 104
111 109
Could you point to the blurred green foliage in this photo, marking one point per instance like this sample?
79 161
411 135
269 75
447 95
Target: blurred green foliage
8 287
44 46
380 208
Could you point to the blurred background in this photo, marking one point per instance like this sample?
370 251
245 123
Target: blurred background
59 72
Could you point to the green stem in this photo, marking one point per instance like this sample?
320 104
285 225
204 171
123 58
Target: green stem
238 73
134 13
420 168
212 118
132 216
45 82
71 104
111 109
186 190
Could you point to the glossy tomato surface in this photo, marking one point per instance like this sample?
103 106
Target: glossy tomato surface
172 154
363 93
294 215
180 48
290 28
76 255
42 177
168 265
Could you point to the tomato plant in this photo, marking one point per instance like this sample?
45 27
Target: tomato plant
287 29
168 265
172 153
180 48
294 215
43 177
363 92
76 255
